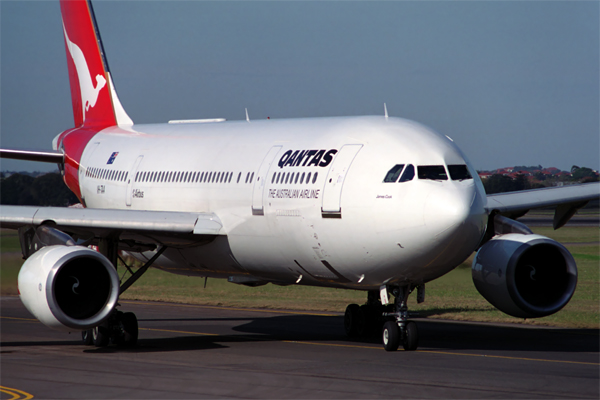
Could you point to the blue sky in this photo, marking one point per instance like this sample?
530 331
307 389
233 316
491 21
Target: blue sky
512 82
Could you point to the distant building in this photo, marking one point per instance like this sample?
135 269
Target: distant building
536 175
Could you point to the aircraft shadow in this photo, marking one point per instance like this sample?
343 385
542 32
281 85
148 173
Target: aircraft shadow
4 345
438 335
433 334
442 335
472 336
190 319
172 344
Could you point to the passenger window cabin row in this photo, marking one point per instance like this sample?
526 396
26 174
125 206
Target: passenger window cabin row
457 172
168 176
293 178
190 177
106 174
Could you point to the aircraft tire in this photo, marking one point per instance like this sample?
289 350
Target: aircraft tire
367 320
87 337
130 329
100 336
351 320
391 336
411 337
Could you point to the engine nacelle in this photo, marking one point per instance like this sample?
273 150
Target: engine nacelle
526 276
69 288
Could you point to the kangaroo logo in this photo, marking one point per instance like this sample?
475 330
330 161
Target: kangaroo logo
89 92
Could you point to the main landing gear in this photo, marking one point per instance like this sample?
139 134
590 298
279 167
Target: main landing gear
120 329
367 319
391 320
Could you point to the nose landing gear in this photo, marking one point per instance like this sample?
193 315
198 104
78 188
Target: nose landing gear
393 334
398 328
359 321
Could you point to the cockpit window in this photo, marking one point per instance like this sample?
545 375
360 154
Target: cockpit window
394 173
432 172
459 172
408 174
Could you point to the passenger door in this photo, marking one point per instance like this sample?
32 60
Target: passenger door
131 178
259 183
332 191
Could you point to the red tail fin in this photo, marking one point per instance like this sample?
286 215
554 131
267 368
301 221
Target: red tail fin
95 101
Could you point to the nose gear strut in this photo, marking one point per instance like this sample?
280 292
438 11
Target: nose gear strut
361 321
398 328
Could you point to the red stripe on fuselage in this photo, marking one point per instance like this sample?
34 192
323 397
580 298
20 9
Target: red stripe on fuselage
73 142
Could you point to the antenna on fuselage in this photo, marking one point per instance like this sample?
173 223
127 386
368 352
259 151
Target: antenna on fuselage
385 110
247 117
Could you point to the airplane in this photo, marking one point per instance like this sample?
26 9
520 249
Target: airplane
372 203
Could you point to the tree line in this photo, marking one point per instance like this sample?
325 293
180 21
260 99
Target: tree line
498 183
44 190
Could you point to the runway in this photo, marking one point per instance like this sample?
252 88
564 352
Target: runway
188 351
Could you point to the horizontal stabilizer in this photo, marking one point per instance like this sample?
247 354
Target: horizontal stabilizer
49 156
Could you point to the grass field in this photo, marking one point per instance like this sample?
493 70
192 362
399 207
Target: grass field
452 296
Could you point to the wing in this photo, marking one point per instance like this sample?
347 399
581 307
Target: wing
135 230
568 200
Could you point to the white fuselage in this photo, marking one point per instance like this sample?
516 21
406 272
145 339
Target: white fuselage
343 227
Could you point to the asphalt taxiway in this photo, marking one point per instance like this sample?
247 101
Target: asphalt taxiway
189 351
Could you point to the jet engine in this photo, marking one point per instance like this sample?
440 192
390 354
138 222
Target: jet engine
69 288
526 276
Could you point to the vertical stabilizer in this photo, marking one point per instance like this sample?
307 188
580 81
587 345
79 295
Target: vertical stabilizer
94 98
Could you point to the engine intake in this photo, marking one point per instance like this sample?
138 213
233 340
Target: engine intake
526 276
69 287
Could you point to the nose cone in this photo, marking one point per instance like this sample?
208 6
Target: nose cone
456 209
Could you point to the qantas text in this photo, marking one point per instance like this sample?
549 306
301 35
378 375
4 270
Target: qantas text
306 158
